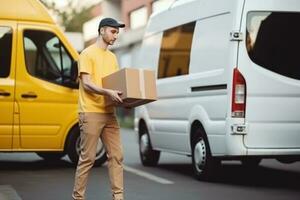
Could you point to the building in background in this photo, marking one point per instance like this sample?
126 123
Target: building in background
105 8
76 39
135 14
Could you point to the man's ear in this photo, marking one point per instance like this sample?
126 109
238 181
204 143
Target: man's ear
102 31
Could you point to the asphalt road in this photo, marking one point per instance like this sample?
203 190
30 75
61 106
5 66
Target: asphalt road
26 176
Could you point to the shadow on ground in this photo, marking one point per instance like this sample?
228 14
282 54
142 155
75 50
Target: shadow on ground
34 165
235 174
30 161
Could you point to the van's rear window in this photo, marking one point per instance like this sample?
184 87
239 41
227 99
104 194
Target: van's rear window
273 41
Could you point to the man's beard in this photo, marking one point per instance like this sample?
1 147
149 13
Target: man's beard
108 42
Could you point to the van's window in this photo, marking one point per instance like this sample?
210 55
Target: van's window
273 41
46 57
5 51
174 58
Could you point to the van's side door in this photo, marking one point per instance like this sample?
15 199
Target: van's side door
7 82
48 106
169 115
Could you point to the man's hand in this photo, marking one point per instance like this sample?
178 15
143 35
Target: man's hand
114 95
89 86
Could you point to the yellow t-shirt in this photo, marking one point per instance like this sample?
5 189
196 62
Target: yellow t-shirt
98 63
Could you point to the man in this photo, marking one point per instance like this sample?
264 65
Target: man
95 118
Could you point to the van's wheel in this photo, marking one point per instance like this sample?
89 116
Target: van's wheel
73 148
204 165
51 156
148 156
251 162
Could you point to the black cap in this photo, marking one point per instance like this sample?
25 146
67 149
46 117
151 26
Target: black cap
110 22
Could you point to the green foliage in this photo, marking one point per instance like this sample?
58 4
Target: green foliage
71 18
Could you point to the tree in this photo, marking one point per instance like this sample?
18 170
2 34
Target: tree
73 17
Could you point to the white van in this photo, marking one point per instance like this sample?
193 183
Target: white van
228 81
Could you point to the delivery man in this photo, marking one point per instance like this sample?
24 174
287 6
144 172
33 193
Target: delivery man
95 118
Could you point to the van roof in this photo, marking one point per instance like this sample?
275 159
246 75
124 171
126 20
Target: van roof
185 11
25 10
173 5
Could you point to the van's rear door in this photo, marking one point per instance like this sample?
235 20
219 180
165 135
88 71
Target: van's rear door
269 59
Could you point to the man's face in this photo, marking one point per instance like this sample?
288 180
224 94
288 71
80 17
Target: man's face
109 34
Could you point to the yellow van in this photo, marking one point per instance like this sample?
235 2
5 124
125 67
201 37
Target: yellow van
38 89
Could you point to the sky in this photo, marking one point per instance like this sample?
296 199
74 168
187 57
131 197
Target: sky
63 3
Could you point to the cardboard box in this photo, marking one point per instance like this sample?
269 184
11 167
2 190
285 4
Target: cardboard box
138 86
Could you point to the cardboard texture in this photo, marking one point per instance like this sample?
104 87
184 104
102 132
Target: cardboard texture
138 86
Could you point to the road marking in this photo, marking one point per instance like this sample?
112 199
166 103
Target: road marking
147 175
8 193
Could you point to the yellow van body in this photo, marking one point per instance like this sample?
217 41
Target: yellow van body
38 103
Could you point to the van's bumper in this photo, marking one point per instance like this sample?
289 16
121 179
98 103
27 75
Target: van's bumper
236 132
235 148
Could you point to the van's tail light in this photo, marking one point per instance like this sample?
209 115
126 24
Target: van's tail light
238 95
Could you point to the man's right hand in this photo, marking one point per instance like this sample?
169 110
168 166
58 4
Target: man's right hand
114 95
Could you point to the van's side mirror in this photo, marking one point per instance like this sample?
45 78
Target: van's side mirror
74 71
57 45
72 80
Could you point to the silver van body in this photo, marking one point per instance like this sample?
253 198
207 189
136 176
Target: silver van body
227 72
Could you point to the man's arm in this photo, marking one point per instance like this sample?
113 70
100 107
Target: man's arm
90 87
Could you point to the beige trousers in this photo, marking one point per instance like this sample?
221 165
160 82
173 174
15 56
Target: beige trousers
92 126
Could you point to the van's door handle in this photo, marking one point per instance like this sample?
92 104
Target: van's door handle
5 94
29 95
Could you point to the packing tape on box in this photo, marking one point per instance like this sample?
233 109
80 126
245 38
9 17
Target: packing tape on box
142 83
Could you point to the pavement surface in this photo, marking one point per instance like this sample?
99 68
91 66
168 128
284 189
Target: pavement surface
25 176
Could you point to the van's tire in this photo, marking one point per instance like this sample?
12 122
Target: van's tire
148 156
73 148
251 162
51 156
205 167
